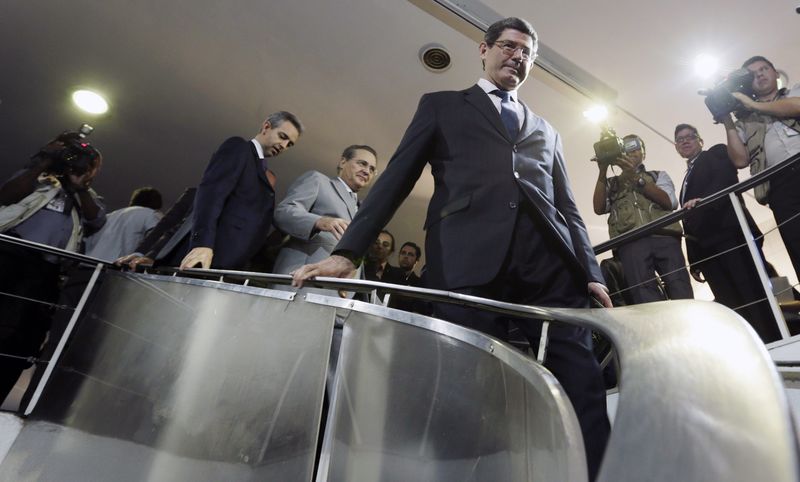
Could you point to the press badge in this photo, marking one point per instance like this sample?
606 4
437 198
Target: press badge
57 204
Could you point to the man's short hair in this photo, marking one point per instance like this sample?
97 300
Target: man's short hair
681 127
496 29
641 141
350 151
417 249
383 231
148 197
755 59
277 118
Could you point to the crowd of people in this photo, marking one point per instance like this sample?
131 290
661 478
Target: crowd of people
502 221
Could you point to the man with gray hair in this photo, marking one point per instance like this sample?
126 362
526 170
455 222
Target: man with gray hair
233 207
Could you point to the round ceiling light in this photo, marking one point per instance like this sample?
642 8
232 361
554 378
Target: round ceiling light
90 102
435 57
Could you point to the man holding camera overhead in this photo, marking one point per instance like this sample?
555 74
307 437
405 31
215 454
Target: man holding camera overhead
634 198
766 133
49 202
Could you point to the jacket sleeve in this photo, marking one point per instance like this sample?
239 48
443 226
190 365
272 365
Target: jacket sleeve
396 182
565 203
293 215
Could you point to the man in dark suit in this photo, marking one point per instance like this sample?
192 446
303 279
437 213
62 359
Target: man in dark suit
234 202
407 259
713 233
502 222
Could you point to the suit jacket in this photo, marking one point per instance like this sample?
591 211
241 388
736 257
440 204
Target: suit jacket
310 197
480 176
714 225
233 207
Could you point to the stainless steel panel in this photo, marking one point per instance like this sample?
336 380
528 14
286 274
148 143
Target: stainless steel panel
168 380
413 404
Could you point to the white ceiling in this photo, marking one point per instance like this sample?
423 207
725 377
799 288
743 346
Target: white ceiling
183 75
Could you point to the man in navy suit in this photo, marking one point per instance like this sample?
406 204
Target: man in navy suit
235 200
502 222
715 244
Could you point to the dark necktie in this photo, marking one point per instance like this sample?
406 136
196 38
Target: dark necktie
508 114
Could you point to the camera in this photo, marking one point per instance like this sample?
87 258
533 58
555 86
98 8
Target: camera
610 147
76 157
719 100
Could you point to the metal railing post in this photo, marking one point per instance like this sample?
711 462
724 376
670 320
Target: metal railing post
63 341
759 264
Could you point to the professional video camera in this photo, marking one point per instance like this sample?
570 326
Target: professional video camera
610 147
75 157
719 99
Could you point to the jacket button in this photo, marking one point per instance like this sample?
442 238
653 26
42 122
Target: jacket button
514 148
512 205
516 175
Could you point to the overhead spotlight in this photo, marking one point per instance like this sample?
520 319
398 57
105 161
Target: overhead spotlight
434 57
596 114
705 65
90 102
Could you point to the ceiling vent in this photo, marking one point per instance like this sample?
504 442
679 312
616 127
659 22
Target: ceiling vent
435 58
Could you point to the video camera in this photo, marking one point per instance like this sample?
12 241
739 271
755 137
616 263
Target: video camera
719 100
76 156
610 147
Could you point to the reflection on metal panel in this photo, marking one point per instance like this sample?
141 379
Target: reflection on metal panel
178 381
412 404
700 398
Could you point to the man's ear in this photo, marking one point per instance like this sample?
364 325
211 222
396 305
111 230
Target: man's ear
267 126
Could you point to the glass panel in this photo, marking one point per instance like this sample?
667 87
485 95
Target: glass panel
411 404
174 380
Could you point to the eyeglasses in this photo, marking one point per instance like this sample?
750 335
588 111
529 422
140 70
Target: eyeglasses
510 48
690 137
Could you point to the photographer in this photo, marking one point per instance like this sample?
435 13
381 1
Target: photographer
49 202
767 132
634 198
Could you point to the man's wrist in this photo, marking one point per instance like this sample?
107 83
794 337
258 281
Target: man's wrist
349 255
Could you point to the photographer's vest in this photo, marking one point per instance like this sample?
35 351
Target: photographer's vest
630 208
48 188
755 130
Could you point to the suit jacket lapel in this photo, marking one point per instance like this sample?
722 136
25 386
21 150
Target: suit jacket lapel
480 100
530 124
347 198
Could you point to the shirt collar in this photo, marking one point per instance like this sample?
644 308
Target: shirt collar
259 149
346 186
489 87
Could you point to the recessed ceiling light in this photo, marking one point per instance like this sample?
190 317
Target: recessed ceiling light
90 102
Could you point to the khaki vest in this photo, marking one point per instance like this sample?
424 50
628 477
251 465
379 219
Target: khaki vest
631 209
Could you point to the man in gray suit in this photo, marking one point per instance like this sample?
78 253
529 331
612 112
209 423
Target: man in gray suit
317 208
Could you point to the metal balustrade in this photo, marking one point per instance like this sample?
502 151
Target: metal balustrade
175 378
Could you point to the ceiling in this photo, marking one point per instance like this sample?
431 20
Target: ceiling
182 76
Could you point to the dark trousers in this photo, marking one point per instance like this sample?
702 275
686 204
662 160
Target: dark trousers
784 200
643 258
733 279
23 323
536 271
